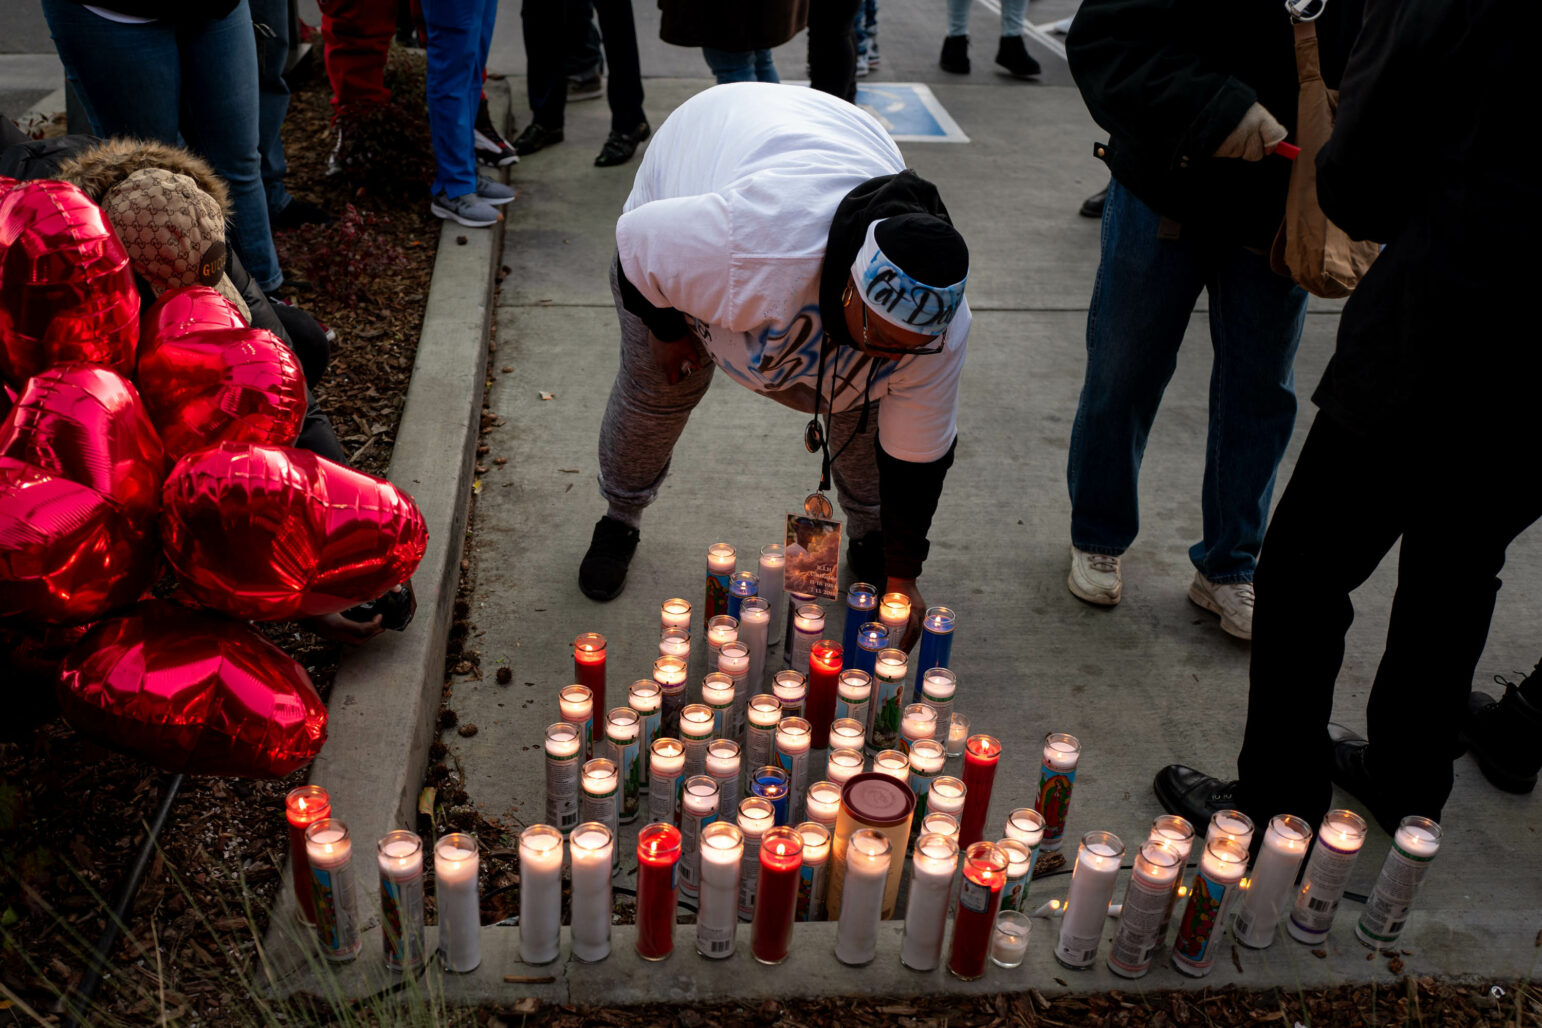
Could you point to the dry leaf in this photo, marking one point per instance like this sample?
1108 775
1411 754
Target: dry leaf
476 487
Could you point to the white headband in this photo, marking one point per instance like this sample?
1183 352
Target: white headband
899 299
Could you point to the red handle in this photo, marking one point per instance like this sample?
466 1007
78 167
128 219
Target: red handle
1289 151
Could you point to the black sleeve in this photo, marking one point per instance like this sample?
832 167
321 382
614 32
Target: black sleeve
665 322
908 493
1147 85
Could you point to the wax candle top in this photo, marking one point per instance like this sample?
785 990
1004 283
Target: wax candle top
674 643
1026 825
847 728
873 635
855 684
1160 859
823 797
399 852
306 804
455 855
927 755
1232 824
985 863
891 664
958 727
789 685
793 734
1102 850
593 840
938 822
892 762
722 628
599 774
869 851
939 620
1343 830
918 718
743 583
644 696
589 648
772 555
696 721
1174 828
764 711
816 842
894 608
675 612
1225 859
721 558
721 753
862 596
936 853
733 657
847 759
669 670
1061 751
756 814
809 617
326 841
1287 834
717 687
622 723
562 739
982 749
771 781
781 849
754 610
576 700
668 751
825 655
1418 836
948 793
700 795
722 843
658 844
1019 857
939 683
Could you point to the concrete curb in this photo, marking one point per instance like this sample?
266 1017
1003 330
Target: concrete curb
385 699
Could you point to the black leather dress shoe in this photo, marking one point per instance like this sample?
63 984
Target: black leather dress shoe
1351 774
620 146
1192 794
535 137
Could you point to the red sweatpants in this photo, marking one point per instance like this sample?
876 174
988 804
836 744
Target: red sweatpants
357 36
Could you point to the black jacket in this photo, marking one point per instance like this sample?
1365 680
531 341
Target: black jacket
1427 157
1170 79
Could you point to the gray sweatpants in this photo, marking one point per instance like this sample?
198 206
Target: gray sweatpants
646 414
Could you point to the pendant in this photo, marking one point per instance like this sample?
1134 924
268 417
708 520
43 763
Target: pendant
817 505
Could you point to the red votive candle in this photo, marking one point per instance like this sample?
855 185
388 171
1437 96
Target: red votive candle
979 899
304 806
658 852
981 753
776 898
589 669
824 669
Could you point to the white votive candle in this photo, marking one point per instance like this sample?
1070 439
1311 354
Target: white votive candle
1414 846
847 734
1158 867
1176 830
700 801
894 614
723 765
926 760
868 854
756 817
938 823
958 733
676 642
853 697
918 722
675 613
773 564
1230 824
815 872
1014 894
564 758
1009 942
761 717
1201 927
593 850
623 728
793 738
926 911
946 796
737 659
666 766
823 802
808 626
456 864
399 855
938 686
843 765
717 909
1274 872
717 693
889 670
645 697
1092 888
330 853
697 728
600 784
577 705
894 764
791 690
1339 842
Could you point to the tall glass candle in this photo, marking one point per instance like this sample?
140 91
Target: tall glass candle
937 687
675 642
894 614
456 865
1201 928
772 783
303 807
979 900
1086 906
721 629
981 754
936 642
847 734
918 721
958 733
329 852
938 823
808 626
926 910
1263 904
853 697
700 802
645 697
675 613
399 855
761 718
1026 825
791 690
883 804
741 586
717 693
823 802
888 708
733 660
948 795
1057 777
599 789
926 760
861 602
594 851
623 728
720 565
1230 824
658 854
717 911
698 725
756 818
577 706
1339 841
564 757
670 673
666 763
1158 868
773 564
1180 833
776 896
868 856
589 669
1414 846
843 765
815 875
872 637
755 634
793 735
1019 867
892 763
824 671
723 765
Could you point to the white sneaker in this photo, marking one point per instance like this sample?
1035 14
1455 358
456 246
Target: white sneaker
1233 601
1095 578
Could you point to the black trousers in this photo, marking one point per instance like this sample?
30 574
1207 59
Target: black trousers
1456 504
832 47
546 30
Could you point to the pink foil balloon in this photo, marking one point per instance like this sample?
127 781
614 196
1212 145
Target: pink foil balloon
67 291
194 692
190 309
269 533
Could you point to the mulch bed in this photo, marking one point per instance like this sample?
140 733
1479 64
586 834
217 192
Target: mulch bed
72 816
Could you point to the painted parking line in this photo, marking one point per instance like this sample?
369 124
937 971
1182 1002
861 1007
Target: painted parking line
909 112
1038 32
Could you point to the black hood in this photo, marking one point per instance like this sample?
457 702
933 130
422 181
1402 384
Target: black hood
875 199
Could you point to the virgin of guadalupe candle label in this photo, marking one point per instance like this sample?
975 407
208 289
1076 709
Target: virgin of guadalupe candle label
1201 918
813 557
401 910
1054 800
720 565
333 890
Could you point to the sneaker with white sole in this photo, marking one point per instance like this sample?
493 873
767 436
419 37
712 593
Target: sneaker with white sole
1095 578
491 147
1233 601
495 193
470 210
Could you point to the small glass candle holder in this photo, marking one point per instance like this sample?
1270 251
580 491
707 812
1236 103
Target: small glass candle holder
1010 942
958 734
843 765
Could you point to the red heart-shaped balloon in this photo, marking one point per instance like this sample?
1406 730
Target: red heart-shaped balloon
194 692
68 554
216 385
6 182
87 424
189 309
268 533
67 291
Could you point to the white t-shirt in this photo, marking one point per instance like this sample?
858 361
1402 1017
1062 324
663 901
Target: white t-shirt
727 223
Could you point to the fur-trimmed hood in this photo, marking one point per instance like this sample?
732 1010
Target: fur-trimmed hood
103 165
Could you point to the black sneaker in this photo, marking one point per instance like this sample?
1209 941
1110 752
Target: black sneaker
491 147
620 146
1505 735
602 575
955 55
865 558
1092 207
536 137
1012 55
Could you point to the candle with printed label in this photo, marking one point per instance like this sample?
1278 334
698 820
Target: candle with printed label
1263 904
1180 833
793 736
937 823
791 690
456 865
917 722
669 672
577 705
666 763
938 686
868 858
1158 868
808 626
1230 824
623 727
936 641
885 805
756 818
1019 866
823 802
926 909
564 757
717 911
721 559
979 900
815 875
675 642
893 763
304 805
927 758
776 896
717 694
733 661
594 851
721 630
1026 825
741 586
853 696
700 802
658 854
329 852
948 795
599 798
981 755
589 671
1414 846
872 637
861 602
888 700
1201 927
1086 906
824 671
773 564
723 765
698 726
894 614
761 717
771 783
847 734
1057 779
399 855
843 765
1339 842
645 697
755 634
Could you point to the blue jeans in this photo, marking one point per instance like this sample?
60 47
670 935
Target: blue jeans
272 97
1012 14
740 65
1145 291
865 24
459 35
192 81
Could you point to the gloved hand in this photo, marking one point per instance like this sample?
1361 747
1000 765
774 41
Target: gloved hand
1255 135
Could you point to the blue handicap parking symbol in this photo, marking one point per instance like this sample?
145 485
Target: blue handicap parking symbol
909 112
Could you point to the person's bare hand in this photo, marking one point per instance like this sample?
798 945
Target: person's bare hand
679 359
917 610
1255 136
343 630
